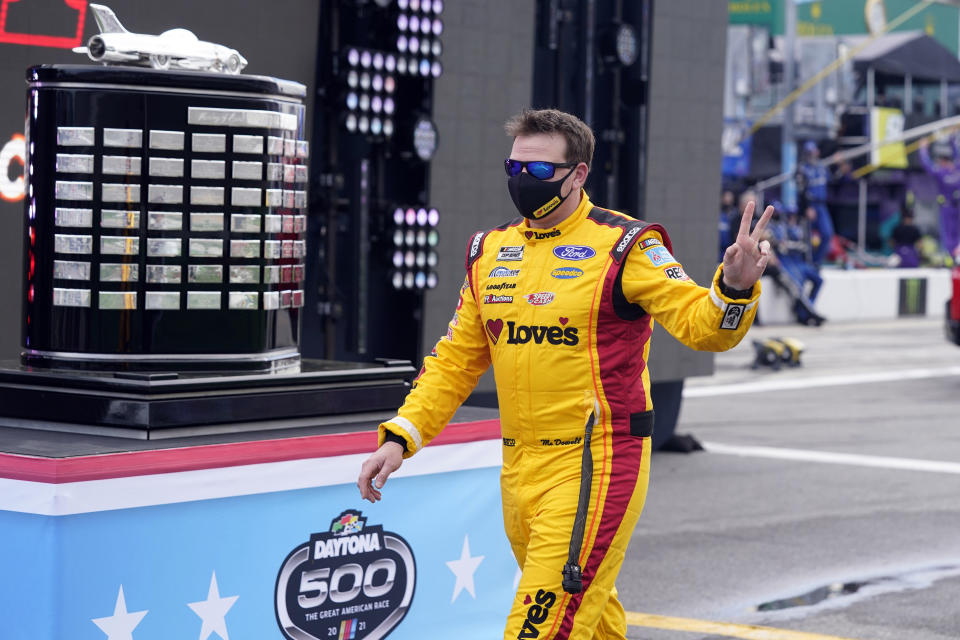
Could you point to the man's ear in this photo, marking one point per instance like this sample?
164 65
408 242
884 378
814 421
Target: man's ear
580 174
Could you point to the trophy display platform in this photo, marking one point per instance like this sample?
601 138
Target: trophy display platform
151 405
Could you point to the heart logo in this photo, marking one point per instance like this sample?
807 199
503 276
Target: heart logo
564 321
528 599
529 235
494 327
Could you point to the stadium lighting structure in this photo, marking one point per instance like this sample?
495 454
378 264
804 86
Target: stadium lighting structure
425 139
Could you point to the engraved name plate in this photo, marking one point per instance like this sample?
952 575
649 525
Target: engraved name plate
127 138
274 198
241 118
63 243
244 274
247 170
65 190
206 222
205 273
65 217
272 249
274 172
244 223
75 136
74 163
121 165
165 194
274 146
162 300
208 170
119 219
272 223
210 142
128 193
164 221
203 299
166 140
112 272
119 245
244 300
245 248
271 300
71 297
211 196
71 270
245 197
166 168
206 248
247 144
164 273
164 247
117 300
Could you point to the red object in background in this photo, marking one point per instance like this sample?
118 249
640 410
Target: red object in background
952 321
41 40
955 300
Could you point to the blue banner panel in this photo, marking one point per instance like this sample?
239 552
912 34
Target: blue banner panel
430 559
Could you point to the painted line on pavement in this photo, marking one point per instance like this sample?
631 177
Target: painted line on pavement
728 629
853 459
819 381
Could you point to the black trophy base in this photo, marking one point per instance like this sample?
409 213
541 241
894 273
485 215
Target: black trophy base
148 406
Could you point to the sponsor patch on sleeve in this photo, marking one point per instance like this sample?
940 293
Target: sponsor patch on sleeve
649 242
732 316
659 256
676 272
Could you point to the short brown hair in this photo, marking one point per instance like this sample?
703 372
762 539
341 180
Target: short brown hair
579 137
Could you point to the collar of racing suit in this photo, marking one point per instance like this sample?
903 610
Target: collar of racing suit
531 234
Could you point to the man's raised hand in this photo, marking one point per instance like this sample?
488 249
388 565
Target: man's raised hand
745 260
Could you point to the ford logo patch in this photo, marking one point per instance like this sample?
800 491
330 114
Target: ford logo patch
573 252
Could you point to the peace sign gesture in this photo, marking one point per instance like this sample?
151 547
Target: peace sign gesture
745 260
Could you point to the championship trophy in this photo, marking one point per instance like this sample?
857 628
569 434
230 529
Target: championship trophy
165 249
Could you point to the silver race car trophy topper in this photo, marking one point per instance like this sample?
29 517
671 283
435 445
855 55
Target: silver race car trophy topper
173 48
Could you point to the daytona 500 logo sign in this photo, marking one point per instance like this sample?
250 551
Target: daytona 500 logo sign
353 582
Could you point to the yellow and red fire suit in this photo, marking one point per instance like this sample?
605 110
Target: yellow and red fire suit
565 317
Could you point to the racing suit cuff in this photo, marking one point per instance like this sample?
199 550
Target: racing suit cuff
401 428
721 296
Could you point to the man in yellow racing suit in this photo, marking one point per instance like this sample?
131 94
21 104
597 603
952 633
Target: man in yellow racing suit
562 306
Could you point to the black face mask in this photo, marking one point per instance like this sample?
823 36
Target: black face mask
534 198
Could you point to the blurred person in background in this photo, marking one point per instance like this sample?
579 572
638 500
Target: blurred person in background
947 176
905 240
789 266
729 215
812 186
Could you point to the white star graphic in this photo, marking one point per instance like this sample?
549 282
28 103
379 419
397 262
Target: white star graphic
213 611
463 569
121 624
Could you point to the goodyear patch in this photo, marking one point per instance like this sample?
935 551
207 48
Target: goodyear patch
566 273
659 256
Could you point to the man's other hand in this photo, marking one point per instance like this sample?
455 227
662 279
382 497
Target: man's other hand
377 468
745 260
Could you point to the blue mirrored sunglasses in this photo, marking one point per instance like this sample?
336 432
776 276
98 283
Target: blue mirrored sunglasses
539 169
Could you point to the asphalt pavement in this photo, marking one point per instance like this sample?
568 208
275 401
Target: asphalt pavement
827 503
